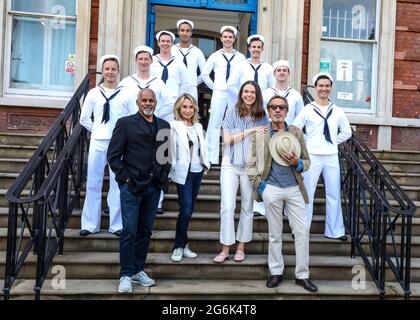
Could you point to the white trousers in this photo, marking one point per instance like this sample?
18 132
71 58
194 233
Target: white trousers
194 92
231 178
329 166
259 207
160 204
91 214
275 198
220 100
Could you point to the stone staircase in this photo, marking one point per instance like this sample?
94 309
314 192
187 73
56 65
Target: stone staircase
92 263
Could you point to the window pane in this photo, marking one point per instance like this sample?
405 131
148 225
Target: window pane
40 50
350 64
349 19
54 7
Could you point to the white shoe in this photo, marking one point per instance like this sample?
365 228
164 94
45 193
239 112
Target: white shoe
143 279
177 255
188 253
125 285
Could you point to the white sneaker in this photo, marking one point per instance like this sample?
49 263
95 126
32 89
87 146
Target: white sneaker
125 285
143 279
188 253
177 255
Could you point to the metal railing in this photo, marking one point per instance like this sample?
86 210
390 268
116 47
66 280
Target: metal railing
377 214
44 195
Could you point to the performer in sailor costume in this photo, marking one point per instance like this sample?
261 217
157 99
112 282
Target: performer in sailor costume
172 71
107 103
191 56
223 62
326 127
283 89
281 75
253 68
143 79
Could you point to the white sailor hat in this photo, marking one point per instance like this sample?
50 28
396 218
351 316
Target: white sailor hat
322 74
233 29
281 63
255 36
143 49
108 57
167 32
179 22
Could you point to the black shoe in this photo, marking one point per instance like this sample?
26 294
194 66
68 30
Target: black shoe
306 284
106 210
118 233
85 233
159 211
257 214
274 281
342 238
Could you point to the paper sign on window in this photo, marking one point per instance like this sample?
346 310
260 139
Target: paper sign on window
344 70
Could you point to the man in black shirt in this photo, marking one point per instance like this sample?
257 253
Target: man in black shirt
141 170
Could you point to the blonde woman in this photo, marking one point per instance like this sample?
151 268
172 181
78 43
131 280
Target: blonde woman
189 162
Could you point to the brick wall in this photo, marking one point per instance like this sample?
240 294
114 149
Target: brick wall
94 25
407 60
407 74
305 50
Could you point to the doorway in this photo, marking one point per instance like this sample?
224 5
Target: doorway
209 16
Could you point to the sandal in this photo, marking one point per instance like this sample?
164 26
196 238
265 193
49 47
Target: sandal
239 256
221 257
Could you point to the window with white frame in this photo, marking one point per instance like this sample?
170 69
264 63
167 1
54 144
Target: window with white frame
349 51
40 47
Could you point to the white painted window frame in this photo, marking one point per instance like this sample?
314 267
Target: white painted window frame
39 98
375 56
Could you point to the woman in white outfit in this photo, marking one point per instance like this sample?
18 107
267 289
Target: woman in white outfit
240 122
189 162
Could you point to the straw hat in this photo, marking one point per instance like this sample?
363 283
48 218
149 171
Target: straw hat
281 143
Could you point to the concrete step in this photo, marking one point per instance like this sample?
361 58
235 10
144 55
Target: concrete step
204 221
80 289
16 151
401 166
12 165
205 203
397 155
206 242
21 139
94 265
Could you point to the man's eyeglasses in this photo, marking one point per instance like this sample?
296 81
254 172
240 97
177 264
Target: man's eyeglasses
277 107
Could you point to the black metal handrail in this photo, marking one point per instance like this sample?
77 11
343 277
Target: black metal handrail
55 168
376 208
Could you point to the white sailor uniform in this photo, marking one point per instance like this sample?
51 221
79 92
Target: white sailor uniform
262 73
322 124
294 98
223 64
175 75
194 59
102 127
134 84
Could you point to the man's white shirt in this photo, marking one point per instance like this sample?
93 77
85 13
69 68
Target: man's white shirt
293 97
246 72
178 81
217 63
195 59
134 84
120 106
315 139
